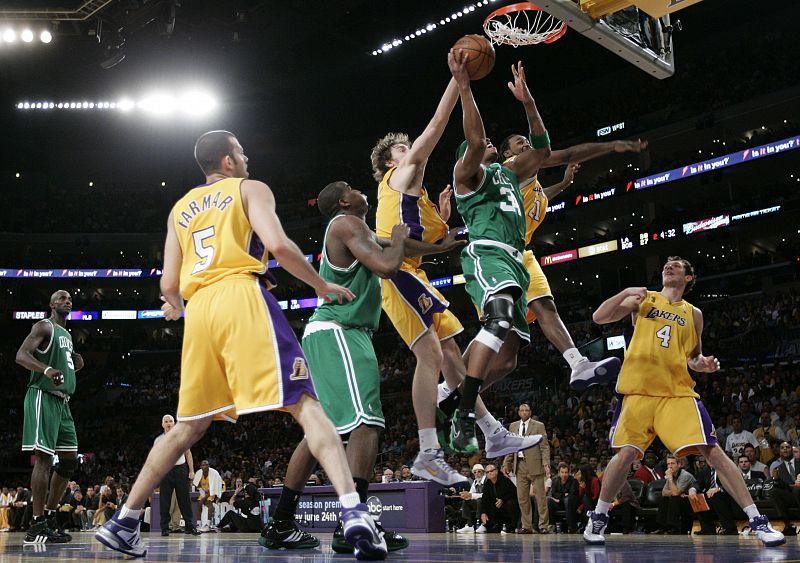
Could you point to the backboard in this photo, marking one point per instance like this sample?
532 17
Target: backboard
625 30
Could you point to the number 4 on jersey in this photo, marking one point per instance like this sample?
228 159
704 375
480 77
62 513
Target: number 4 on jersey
665 333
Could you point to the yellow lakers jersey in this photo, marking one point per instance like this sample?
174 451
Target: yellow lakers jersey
418 212
664 338
535 203
215 235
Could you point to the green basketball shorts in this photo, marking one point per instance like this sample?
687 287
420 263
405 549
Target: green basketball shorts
47 424
345 373
489 268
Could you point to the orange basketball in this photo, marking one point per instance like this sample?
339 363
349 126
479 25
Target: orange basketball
480 52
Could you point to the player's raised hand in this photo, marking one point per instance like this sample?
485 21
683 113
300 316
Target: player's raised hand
445 203
519 87
449 242
457 61
630 146
400 232
330 292
569 173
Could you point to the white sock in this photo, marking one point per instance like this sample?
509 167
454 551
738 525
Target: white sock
204 516
126 512
574 357
350 500
428 439
751 511
489 424
602 507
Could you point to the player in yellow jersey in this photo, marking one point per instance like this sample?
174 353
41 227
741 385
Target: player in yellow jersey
657 396
239 353
416 309
541 305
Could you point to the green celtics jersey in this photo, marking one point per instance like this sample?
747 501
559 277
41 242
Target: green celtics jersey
58 355
362 312
494 210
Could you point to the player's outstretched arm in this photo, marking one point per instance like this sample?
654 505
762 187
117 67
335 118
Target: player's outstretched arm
468 170
423 146
697 361
77 361
569 176
170 283
360 241
415 247
617 307
528 163
259 205
588 151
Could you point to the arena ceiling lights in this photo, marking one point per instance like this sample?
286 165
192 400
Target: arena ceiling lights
23 34
429 27
191 103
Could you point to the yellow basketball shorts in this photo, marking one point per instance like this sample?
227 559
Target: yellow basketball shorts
538 286
414 305
239 353
682 423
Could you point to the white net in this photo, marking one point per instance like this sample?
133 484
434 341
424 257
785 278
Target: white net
524 27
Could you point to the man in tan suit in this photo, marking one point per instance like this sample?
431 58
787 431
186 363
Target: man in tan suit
531 467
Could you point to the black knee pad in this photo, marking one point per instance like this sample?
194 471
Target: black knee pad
66 467
499 312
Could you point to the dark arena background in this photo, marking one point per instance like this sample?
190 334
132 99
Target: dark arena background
102 101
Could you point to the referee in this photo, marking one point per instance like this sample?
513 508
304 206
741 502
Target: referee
176 480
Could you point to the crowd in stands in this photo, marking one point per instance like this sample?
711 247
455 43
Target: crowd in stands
258 448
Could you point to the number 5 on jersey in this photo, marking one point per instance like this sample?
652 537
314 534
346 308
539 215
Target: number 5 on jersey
204 248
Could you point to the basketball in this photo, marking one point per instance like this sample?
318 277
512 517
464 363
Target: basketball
481 55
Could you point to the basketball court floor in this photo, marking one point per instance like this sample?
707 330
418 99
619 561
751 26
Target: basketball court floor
428 548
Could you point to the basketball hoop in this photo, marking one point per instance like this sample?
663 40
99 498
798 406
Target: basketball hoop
523 23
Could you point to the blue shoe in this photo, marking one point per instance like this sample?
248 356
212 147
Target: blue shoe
587 373
361 533
593 533
768 535
122 534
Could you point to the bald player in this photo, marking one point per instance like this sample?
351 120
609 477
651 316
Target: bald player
48 427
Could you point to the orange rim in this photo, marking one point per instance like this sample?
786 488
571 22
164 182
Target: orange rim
555 36
518 7
521 7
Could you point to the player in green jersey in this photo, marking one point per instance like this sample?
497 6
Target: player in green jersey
489 199
338 347
48 427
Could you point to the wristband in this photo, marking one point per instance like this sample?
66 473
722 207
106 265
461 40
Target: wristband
47 368
539 141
